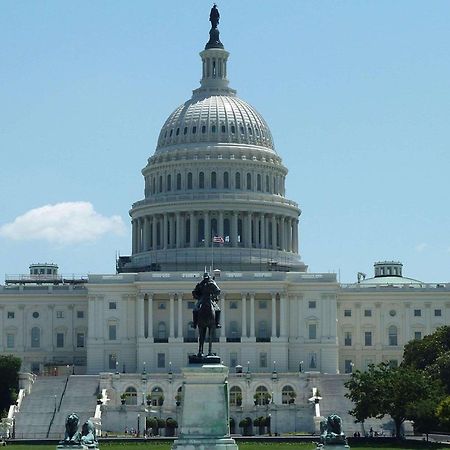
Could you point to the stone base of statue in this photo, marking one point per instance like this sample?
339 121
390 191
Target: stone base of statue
208 359
72 447
332 447
204 415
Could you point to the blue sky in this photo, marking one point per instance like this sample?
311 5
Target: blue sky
356 93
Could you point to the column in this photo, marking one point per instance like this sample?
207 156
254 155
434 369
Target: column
263 230
150 316
223 333
140 316
154 232
274 232
192 229
283 324
248 230
255 230
234 229
180 316
134 235
289 235
274 315
172 231
283 233
165 231
220 224
296 235
252 315
207 228
171 316
179 233
244 316
146 233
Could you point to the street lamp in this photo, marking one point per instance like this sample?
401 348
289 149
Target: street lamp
117 367
138 424
143 371
352 364
300 367
55 402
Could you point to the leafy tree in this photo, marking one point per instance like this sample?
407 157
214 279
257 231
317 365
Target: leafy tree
423 413
389 390
9 376
432 354
443 412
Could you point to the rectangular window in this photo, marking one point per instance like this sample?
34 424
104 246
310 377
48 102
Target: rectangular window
80 340
347 313
262 304
112 358
10 340
112 332
161 360
10 315
367 313
60 314
233 359
348 338
80 314
312 331
161 306
112 305
417 335
437 312
312 304
263 359
191 305
417 312
60 340
348 366
367 338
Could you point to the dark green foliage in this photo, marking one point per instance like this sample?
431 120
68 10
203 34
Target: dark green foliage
9 384
171 423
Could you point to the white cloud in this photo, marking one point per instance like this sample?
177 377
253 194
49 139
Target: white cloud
63 223
421 247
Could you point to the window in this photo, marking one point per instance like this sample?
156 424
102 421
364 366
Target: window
213 180
178 181
161 306
417 313
313 361
35 337
262 330
233 305
237 181
258 182
233 129
348 366
235 396
348 338
367 338
169 182
194 130
263 359
261 396
287 395
201 180
203 129
35 315
392 335
417 335
233 359
249 181
112 305
80 340
189 180
367 313
437 313
10 340
60 314
112 332
213 128
80 314
226 180
312 331
11 315
161 360
130 392
234 329
157 395
312 304
347 313
161 330
262 304
59 340
112 361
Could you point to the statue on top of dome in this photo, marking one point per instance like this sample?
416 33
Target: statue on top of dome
214 16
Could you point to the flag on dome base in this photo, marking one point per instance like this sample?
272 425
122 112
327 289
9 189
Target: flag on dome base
218 240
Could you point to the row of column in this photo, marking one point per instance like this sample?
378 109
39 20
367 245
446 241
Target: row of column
144 319
190 229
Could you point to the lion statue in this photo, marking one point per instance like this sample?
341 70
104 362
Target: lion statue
72 435
331 431
88 437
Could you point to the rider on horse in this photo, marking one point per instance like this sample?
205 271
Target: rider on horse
207 289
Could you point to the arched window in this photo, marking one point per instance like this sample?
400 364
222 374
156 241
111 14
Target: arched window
288 395
162 330
35 337
169 182
235 396
187 231
249 181
213 180
201 180
157 396
226 180
237 181
258 182
267 183
160 187
189 180
262 396
178 181
392 335
130 396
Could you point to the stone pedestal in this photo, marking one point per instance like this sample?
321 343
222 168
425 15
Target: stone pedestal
72 447
204 415
332 447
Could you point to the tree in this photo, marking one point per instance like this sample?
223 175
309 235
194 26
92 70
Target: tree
443 412
395 391
9 374
423 413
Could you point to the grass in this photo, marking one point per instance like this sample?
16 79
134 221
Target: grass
416 445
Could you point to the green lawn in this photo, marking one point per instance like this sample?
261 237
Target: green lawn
242 446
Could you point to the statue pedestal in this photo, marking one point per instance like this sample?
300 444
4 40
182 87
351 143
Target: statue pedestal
72 447
204 415
332 447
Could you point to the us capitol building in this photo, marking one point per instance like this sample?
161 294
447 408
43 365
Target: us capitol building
214 196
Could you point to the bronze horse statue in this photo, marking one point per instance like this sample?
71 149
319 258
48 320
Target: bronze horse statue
206 320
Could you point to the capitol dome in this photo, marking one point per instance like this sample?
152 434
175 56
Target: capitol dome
215 186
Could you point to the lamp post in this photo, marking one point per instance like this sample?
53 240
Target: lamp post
144 370
138 424
300 367
352 365
55 402
117 367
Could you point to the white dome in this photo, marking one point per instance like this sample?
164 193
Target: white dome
215 118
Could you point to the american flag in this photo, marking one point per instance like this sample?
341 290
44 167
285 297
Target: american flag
218 240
